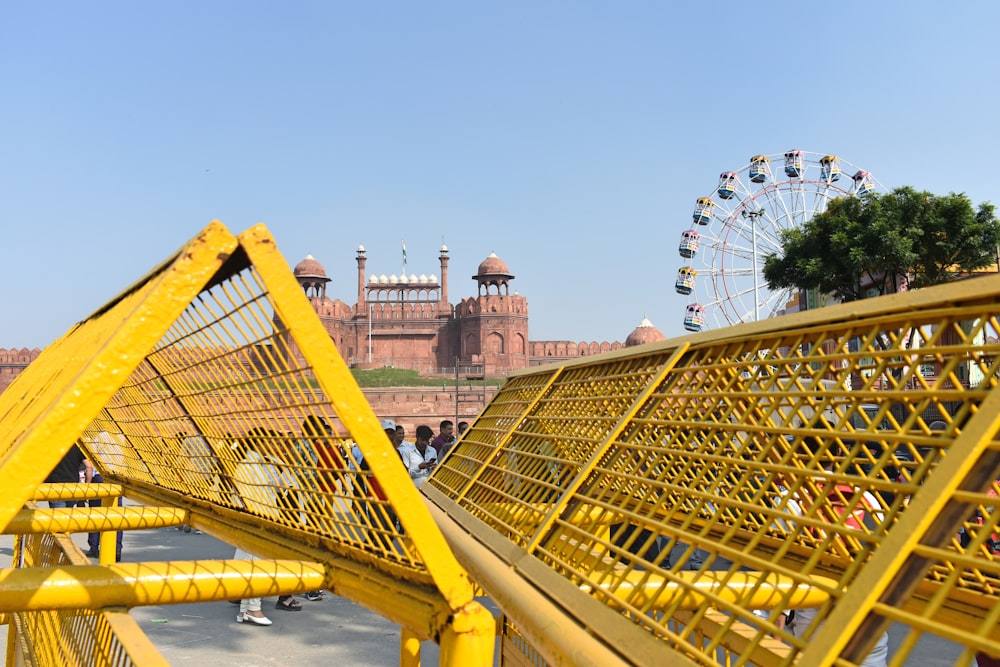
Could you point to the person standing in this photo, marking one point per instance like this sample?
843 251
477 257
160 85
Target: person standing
419 457
443 441
269 491
94 539
67 471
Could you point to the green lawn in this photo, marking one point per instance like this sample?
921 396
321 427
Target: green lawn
403 377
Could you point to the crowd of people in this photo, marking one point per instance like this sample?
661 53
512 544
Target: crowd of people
262 473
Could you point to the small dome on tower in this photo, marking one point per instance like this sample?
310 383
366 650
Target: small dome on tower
493 266
309 268
644 333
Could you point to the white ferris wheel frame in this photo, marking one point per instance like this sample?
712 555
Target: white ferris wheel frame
745 229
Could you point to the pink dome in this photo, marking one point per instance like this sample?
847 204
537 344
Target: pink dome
309 268
643 334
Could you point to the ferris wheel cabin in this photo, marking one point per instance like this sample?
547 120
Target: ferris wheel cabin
829 168
685 280
727 184
694 318
703 210
794 164
689 243
863 182
760 168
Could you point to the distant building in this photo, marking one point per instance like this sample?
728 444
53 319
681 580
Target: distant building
406 321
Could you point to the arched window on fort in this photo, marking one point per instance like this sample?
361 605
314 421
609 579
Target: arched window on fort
471 345
494 343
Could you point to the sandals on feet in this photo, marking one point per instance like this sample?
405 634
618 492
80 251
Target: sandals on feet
288 604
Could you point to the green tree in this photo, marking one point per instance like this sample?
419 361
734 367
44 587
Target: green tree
874 242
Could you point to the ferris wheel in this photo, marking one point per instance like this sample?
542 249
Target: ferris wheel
739 225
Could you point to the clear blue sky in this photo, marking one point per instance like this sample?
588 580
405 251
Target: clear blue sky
571 138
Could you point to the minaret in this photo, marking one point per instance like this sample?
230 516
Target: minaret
444 274
362 301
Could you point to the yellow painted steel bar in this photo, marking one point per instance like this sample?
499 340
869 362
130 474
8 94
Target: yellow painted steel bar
556 637
77 491
409 649
93 519
159 583
752 590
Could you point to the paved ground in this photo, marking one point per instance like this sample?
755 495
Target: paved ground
330 632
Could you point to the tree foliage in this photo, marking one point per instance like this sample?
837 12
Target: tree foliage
875 242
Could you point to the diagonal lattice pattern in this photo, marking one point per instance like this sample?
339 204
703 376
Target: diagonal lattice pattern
686 484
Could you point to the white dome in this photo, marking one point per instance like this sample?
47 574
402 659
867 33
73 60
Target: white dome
382 279
444 248
423 279
413 277
432 278
403 279
373 278
361 248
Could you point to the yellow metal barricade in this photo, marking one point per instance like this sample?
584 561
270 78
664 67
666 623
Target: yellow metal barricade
668 504
210 392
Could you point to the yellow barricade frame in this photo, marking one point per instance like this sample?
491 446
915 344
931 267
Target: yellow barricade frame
209 390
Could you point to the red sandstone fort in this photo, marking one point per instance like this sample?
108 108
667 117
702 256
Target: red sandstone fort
406 321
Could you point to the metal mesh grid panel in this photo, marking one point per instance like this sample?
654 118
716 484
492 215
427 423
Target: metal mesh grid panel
688 484
222 411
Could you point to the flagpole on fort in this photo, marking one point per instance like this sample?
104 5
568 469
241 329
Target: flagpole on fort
371 310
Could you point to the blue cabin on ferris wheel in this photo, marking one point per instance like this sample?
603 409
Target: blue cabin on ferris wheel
727 184
760 168
703 209
685 280
694 317
829 168
794 164
689 243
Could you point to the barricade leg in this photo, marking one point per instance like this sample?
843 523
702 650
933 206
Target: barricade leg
469 639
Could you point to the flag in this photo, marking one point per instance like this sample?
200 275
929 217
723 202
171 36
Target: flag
404 256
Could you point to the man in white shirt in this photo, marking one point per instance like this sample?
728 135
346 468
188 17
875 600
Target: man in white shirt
419 457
